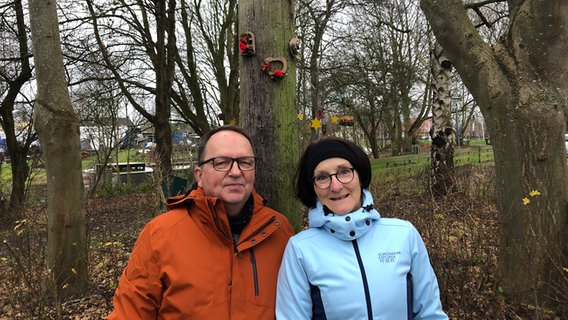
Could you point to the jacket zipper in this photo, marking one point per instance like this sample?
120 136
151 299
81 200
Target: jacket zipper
252 256
254 272
365 283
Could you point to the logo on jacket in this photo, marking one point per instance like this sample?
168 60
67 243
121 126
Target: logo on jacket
389 256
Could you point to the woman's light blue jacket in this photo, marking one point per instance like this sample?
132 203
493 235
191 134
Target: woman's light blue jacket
357 266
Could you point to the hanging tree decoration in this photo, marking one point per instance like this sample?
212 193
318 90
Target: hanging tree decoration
269 67
316 123
334 119
294 47
247 44
346 121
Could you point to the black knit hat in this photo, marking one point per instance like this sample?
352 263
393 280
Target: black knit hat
325 148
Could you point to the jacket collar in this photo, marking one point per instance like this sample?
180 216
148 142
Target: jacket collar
211 211
348 226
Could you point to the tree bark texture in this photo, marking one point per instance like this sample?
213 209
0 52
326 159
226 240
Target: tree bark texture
521 86
268 108
58 130
442 132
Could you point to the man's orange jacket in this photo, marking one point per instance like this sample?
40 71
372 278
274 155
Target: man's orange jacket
185 264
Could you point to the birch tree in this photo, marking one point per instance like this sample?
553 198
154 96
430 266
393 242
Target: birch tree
442 132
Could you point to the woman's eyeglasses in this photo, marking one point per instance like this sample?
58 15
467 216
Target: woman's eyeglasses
344 176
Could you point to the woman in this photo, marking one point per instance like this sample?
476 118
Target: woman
351 263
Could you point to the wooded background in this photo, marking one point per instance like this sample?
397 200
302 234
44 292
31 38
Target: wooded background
390 65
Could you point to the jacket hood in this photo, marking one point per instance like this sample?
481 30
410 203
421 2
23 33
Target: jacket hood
348 226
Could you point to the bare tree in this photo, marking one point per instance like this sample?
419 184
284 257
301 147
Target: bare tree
199 57
521 85
162 52
58 130
375 66
313 20
15 72
208 64
98 104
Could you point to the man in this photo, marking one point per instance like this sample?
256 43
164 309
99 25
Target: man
216 253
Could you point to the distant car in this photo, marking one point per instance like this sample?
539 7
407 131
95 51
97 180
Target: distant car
87 153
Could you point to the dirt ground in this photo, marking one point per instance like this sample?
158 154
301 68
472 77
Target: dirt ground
113 225
460 233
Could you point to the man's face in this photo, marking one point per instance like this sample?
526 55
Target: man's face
234 186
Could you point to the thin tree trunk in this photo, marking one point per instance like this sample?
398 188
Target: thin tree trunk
58 130
442 133
165 65
17 150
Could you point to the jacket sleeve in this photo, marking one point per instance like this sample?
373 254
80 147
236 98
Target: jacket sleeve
293 300
139 291
426 294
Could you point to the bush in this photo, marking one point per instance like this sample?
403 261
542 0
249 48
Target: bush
462 236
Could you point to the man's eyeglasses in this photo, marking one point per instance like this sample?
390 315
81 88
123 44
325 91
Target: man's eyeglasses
323 181
225 164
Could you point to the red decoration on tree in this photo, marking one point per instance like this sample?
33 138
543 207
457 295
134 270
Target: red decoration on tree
346 121
277 73
247 44
319 113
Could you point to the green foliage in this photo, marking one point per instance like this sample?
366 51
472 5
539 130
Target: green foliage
117 189
463 155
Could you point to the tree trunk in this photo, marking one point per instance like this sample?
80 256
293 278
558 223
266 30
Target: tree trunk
268 109
58 130
521 86
442 133
17 150
20 172
165 66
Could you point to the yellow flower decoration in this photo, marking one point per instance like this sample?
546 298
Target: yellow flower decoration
334 119
534 193
233 121
316 124
300 116
526 201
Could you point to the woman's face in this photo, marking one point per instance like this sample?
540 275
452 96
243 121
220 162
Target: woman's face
338 197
